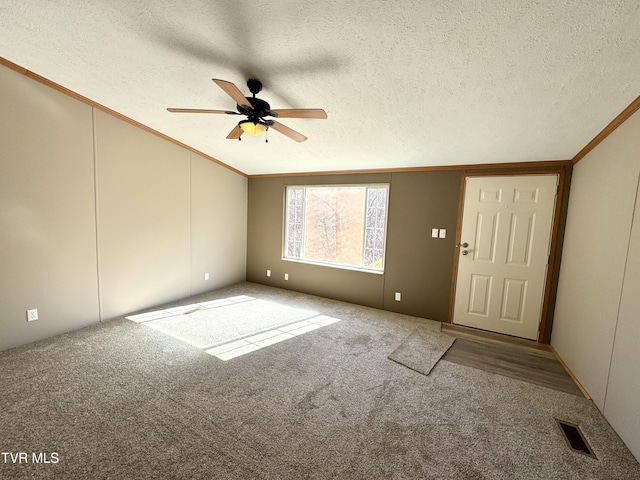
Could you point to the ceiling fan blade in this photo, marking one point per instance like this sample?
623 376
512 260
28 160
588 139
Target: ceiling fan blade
235 133
233 91
300 113
198 110
292 134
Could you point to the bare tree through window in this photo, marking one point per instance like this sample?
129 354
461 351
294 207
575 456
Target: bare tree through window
375 227
295 201
343 225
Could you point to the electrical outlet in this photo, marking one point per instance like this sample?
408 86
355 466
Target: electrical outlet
32 315
206 276
268 273
286 276
398 296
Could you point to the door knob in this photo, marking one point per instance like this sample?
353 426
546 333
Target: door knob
465 252
463 245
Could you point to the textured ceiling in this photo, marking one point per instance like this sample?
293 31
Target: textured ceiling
404 83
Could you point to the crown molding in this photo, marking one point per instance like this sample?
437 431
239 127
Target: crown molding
608 130
543 164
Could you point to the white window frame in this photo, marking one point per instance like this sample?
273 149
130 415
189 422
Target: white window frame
301 259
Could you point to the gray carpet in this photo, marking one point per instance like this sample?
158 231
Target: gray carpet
422 350
123 401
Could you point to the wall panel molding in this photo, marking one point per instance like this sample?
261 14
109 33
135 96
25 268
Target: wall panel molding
124 118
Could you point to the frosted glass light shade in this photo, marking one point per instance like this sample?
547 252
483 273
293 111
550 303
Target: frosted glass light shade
254 129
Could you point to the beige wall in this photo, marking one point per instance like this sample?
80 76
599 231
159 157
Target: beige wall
47 212
218 225
623 392
143 217
596 315
99 218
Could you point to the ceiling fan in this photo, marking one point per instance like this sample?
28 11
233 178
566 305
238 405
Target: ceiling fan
256 110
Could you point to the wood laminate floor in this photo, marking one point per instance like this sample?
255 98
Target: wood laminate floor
529 362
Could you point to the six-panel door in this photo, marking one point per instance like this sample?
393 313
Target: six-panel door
506 224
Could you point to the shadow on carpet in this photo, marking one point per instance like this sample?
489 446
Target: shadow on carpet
422 350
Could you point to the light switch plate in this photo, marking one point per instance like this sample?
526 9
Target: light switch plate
434 232
443 233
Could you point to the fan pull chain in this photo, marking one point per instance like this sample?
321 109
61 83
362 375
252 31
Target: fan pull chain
266 136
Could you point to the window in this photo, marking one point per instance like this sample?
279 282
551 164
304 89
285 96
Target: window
338 225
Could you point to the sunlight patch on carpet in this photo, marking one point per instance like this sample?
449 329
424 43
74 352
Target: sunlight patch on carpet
182 309
230 327
240 347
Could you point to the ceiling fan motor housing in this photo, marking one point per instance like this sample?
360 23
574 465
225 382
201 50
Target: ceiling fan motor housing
260 110
254 85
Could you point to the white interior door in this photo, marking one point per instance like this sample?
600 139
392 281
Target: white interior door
503 253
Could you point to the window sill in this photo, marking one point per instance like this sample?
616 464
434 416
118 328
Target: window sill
333 265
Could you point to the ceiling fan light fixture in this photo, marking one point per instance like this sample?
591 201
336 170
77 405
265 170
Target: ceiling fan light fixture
253 128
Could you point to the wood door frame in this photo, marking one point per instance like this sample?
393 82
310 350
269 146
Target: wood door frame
544 317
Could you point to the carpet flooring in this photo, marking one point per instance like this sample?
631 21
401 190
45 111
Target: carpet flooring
120 400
